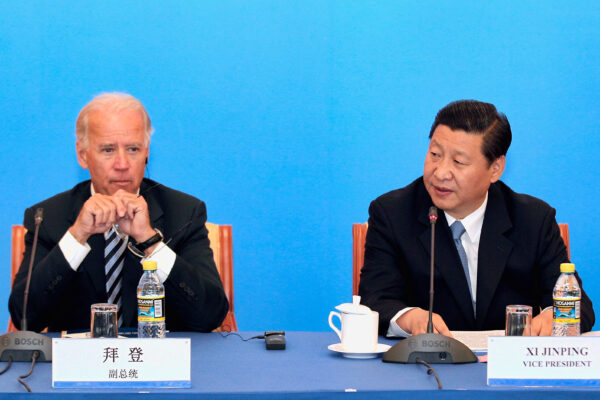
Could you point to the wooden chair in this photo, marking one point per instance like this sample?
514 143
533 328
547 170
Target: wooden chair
221 244
564 233
359 235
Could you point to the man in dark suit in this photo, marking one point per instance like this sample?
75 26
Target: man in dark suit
494 247
95 235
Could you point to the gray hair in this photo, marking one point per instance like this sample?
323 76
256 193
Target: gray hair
116 102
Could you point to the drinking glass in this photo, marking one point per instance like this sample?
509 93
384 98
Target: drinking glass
518 320
104 320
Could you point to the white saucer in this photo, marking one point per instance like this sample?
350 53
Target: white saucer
338 348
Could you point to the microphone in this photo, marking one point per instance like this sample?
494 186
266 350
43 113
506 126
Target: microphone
430 347
39 217
432 221
25 345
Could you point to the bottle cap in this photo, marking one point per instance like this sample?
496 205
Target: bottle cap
567 267
149 265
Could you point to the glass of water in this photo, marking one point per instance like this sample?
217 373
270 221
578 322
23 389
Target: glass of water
104 321
518 320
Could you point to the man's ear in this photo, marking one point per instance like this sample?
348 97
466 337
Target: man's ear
81 155
497 168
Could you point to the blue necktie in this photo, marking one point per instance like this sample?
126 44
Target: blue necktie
458 229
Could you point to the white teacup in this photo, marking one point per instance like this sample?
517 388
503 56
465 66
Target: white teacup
359 331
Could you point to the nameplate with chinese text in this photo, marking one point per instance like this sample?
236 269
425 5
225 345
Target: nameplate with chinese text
543 361
121 363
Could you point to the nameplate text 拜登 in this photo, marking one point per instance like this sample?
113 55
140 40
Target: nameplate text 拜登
121 363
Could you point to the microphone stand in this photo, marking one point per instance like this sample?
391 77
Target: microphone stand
430 347
25 345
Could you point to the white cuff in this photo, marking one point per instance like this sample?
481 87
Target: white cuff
165 259
73 251
394 330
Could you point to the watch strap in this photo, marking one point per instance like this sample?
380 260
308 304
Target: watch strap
150 242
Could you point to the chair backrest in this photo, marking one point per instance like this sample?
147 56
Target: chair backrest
564 233
221 243
359 235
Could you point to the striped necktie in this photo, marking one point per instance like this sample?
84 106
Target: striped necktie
114 256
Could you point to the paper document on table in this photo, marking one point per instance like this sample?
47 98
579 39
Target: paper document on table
476 340
80 335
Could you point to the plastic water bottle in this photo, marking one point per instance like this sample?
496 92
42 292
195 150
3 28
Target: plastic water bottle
151 303
567 303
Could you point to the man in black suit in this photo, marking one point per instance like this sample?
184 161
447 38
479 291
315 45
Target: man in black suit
494 247
121 217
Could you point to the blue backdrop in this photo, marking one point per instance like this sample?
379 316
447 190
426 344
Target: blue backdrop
289 117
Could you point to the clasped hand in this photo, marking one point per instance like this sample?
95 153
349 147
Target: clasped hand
100 212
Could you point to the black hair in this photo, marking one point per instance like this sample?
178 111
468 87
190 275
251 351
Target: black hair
479 118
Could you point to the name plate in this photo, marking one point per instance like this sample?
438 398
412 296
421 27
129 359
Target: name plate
121 363
543 361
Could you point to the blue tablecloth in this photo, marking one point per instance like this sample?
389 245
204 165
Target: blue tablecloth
228 368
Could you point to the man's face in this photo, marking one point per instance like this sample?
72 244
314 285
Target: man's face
456 174
116 152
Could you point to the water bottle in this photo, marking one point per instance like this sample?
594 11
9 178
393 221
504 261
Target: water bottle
151 303
567 303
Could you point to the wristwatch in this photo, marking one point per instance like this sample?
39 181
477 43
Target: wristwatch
142 247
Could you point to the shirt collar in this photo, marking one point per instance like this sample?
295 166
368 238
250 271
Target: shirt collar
472 222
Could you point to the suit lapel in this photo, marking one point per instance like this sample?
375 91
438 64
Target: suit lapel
80 196
93 264
132 272
149 189
494 249
447 262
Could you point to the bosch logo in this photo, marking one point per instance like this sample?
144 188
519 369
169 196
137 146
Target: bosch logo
5 341
435 343
29 342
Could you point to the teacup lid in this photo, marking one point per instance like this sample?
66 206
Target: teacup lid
354 308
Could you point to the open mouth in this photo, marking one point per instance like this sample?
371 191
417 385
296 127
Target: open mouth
442 191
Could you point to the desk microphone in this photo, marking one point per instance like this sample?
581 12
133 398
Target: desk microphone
430 347
25 345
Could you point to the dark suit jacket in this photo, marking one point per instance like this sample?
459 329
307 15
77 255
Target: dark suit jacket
520 251
60 298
